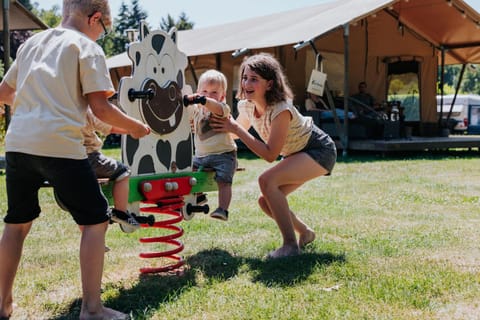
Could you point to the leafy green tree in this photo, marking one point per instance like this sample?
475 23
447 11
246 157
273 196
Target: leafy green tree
129 17
182 23
51 17
26 4
470 82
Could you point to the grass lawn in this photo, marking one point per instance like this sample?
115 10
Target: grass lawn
398 237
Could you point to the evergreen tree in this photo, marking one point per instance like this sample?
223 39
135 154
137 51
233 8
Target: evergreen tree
26 4
129 17
167 23
182 23
121 21
137 15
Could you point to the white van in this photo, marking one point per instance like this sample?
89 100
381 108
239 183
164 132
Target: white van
460 109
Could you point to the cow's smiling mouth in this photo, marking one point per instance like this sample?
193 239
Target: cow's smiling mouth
163 112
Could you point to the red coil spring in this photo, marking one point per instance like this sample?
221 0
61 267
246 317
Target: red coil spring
172 208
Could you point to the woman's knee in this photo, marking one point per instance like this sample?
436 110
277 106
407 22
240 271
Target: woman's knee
265 181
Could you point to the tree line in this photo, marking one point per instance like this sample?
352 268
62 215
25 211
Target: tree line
128 17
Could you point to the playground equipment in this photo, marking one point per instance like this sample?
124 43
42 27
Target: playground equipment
162 183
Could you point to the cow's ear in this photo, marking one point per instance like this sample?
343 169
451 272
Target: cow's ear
144 31
173 34
180 79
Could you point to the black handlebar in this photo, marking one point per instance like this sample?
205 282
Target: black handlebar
194 99
134 94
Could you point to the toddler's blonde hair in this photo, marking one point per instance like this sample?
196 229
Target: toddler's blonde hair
214 77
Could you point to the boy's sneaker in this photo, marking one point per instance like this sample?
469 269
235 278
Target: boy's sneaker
220 214
126 220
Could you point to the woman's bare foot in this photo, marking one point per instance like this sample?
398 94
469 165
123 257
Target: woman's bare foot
306 237
285 251
5 317
106 314
7 313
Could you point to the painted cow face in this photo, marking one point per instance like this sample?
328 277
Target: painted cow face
158 68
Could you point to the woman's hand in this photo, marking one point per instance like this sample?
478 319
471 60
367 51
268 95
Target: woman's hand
227 124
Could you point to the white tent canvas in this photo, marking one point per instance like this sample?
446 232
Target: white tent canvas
378 31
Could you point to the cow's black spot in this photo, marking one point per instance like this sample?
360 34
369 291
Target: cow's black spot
138 55
157 42
131 148
183 156
164 153
145 165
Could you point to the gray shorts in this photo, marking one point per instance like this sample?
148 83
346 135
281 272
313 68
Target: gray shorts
322 149
106 167
224 165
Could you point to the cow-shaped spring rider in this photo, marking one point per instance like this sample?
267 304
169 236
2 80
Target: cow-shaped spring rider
162 180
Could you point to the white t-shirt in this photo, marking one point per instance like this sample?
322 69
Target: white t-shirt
299 131
52 74
207 141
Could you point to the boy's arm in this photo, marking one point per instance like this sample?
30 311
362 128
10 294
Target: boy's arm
118 130
215 107
7 94
110 114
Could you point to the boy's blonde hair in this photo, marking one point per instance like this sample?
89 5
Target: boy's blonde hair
214 77
86 7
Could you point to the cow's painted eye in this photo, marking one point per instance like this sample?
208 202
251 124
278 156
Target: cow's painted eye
154 70
172 93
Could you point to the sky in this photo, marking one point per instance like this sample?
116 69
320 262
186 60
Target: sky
206 13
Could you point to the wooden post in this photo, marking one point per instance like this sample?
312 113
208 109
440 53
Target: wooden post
6 51
346 49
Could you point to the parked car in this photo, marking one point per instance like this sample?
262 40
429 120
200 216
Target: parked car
459 119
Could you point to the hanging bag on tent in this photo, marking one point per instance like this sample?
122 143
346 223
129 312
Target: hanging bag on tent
316 85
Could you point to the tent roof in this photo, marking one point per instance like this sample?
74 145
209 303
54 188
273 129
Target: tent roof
452 24
278 29
20 18
444 23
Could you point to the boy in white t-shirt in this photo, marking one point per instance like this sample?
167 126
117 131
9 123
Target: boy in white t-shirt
57 75
215 150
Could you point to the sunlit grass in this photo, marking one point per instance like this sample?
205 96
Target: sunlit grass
396 239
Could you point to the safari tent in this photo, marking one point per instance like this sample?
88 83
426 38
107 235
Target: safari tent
18 17
368 40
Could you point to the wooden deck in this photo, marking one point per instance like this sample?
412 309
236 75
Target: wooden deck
416 144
